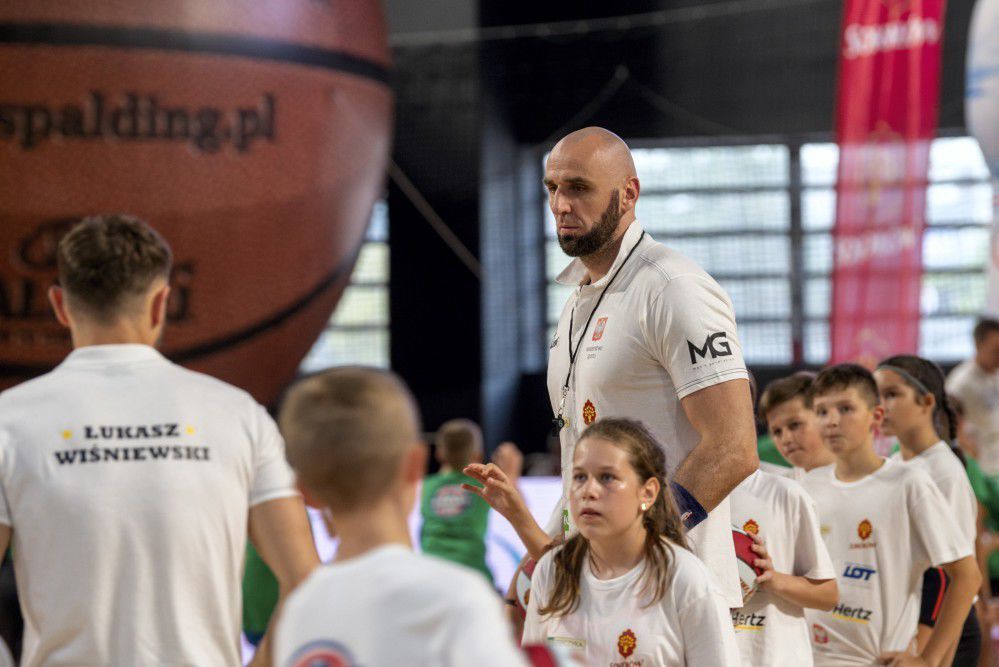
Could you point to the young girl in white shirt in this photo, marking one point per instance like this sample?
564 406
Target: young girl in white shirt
624 590
917 412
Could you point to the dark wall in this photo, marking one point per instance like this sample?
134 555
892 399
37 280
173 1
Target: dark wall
435 300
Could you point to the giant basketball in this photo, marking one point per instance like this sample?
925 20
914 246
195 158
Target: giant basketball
252 135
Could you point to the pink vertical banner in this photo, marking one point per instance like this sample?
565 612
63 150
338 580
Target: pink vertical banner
886 117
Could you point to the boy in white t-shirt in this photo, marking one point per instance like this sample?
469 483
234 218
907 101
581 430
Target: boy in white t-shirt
127 483
786 408
353 439
884 524
770 628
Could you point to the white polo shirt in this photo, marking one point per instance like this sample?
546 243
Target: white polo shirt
664 330
882 532
772 631
391 606
127 480
979 391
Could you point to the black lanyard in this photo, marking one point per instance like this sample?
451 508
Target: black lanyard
560 422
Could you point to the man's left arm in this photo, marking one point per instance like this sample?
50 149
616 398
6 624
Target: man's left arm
722 415
281 534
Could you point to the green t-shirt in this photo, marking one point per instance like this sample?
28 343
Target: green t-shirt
454 521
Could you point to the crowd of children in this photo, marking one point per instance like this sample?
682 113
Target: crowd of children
863 560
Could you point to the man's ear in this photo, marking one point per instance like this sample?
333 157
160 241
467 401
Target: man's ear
878 413
158 308
629 194
57 298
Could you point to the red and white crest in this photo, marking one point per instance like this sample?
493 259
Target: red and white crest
598 330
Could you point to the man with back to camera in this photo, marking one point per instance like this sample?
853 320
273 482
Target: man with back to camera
646 335
975 382
128 482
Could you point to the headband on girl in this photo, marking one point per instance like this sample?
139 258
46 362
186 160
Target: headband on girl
905 376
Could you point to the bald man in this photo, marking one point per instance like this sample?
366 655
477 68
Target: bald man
647 335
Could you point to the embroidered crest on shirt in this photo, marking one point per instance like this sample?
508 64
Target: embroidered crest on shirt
626 643
589 413
819 634
751 527
598 330
864 529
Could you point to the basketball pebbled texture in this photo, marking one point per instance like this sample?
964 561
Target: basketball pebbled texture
253 136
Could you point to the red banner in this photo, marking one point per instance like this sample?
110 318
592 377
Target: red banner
886 117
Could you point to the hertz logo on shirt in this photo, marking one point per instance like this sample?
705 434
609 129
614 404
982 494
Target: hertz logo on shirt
853 614
747 621
715 344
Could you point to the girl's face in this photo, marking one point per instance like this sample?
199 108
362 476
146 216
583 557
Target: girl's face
905 410
606 493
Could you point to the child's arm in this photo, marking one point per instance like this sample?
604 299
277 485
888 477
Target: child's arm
802 591
964 582
503 496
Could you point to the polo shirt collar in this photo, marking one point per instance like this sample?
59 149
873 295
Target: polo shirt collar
575 273
102 355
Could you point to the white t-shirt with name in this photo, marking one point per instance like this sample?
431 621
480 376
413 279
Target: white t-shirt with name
979 392
614 627
127 482
391 606
664 329
771 631
882 532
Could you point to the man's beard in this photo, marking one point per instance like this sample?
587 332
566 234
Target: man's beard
599 235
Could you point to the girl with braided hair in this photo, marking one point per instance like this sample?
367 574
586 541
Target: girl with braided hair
919 414
625 589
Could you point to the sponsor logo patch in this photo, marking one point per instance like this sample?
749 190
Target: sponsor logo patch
753 622
715 344
864 531
855 573
852 614
598 330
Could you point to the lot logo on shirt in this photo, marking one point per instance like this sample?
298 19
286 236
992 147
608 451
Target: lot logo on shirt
819 634
323 653
450 500
715 344
854 614
626 643
751 527
598 330
857 574
589 413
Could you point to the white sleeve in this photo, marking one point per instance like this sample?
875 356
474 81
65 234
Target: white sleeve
935 536
963 505
811 557
708 636
690 329
272 476
535 628
481 634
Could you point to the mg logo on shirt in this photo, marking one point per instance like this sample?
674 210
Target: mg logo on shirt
858 573
715 344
